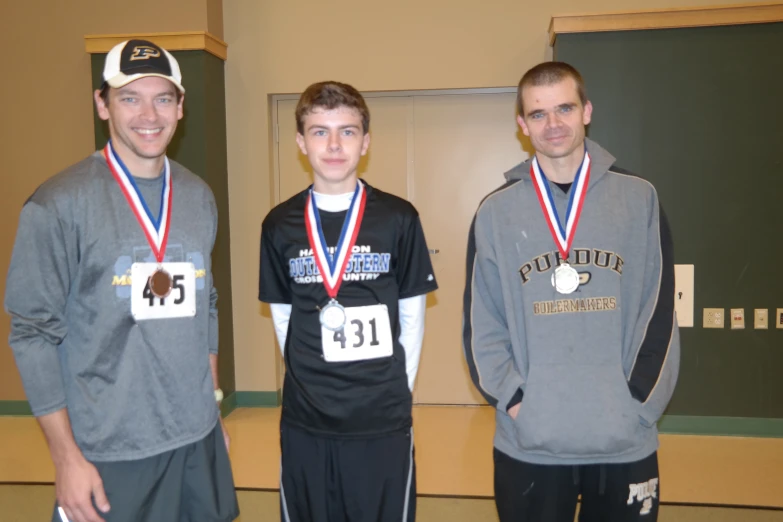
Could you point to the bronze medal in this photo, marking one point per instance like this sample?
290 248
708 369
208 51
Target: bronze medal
160 283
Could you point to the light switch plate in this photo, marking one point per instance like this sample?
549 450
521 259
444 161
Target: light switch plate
713 317
737 318
761 319
779 318
683 294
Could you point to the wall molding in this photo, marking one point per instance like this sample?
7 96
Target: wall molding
176 41
228 404
721 426
251 399
737 14
669 424
259 399
232 401
15 409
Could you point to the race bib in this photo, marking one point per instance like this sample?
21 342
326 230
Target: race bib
180 301
366 335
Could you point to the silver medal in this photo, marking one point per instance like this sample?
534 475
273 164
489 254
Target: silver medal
333 316
565 279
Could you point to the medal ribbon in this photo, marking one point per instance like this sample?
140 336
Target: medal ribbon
563 236
157 231
332 267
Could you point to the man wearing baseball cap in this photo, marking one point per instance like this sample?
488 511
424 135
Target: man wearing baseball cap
114 318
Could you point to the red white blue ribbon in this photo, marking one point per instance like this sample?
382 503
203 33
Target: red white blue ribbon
563 236
156 230
332 266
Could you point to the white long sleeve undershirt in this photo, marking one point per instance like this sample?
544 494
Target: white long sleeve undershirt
411 310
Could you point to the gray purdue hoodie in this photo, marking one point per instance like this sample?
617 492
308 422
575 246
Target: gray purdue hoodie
596 368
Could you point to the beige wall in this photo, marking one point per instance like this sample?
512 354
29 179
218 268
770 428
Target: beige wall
46 102
281 46
215 17
276 46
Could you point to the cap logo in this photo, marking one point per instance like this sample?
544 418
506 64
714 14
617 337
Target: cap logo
144 52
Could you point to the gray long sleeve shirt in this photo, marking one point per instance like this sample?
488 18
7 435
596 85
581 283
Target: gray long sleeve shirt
132 388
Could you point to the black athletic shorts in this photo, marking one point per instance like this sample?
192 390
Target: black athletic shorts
189 484
347 480
527 492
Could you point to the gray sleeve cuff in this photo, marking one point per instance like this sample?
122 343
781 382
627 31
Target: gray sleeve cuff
39 367
40 411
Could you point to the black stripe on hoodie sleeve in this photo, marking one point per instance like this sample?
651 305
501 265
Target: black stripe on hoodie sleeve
467 301
467 328
655 345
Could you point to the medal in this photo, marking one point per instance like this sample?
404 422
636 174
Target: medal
565 278
332 266
160 283
156 231
333 316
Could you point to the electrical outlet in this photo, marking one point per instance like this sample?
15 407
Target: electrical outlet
761 319
713 317
737 318
779 318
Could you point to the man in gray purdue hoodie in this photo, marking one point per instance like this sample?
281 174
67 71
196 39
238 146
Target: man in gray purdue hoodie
114 317
569 327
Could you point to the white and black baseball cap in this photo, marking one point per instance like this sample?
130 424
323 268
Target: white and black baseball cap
134 59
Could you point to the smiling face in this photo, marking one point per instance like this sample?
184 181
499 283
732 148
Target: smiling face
554 118
142 117
333 141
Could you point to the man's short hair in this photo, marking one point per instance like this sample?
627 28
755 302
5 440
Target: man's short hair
549 73
329 96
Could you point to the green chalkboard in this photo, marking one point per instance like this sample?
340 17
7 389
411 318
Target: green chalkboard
699 113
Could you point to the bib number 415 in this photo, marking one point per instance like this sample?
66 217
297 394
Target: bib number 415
180 302
177 286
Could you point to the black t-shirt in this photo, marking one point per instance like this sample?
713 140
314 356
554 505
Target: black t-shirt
390 262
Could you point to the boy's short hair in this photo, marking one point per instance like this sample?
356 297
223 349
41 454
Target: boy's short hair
328 96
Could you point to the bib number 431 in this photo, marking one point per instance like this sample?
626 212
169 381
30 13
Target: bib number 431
367 335
339 336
